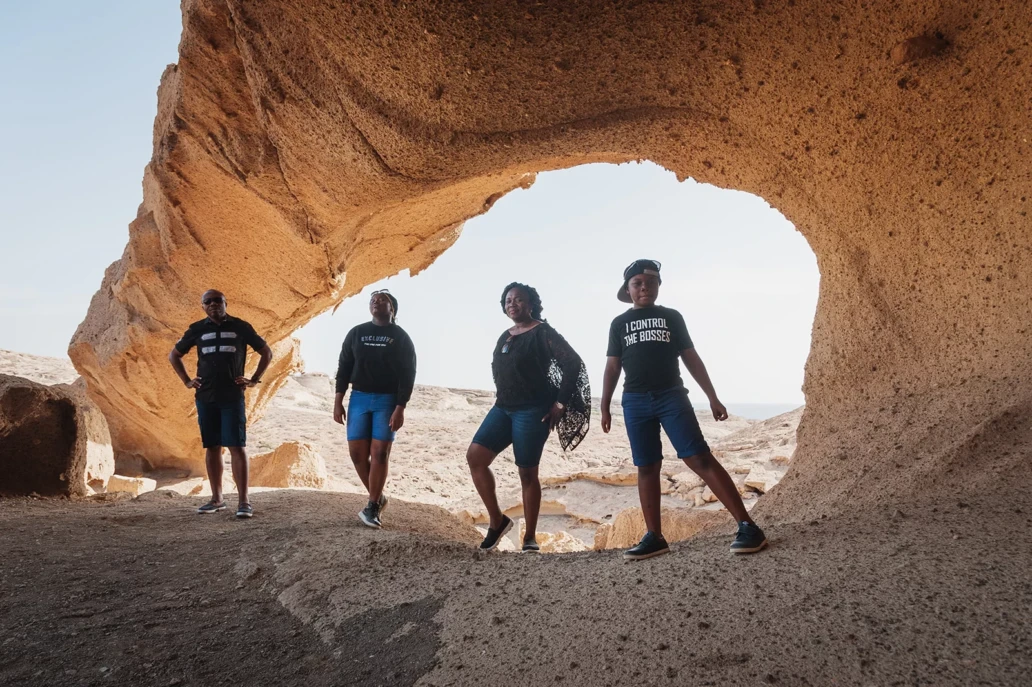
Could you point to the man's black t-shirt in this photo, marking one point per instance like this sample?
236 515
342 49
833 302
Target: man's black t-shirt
221 354
649 342
377 359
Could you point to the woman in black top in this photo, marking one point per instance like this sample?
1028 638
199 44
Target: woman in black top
541 385
379 362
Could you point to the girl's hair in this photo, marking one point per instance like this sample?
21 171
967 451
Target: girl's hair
391 298
535 299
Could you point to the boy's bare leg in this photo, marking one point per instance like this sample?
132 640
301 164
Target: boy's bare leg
649 495
720 483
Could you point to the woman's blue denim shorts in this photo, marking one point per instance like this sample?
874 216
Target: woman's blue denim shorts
521 427
369 416
644 413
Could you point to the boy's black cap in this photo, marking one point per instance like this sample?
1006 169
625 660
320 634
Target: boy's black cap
640 266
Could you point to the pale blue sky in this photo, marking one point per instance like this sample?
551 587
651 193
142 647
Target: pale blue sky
79 92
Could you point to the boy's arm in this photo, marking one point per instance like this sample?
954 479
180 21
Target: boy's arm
698 372
609 380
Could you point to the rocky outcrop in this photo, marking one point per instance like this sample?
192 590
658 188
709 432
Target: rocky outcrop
131 485
305 149
628 527
53 441
293 464
553 542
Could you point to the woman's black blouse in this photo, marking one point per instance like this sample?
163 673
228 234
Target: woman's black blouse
521 367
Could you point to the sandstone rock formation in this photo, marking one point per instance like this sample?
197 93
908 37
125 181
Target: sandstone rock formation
131 485
293 464
53 440
628 527
303 149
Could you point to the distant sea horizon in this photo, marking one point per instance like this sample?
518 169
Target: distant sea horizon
757 411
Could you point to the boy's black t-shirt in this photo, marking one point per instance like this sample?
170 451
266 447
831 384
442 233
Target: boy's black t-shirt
378 360
649 342
221 354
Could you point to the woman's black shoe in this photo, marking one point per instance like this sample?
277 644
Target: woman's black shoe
649 546
494 536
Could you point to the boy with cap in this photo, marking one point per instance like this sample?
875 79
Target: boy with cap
647 342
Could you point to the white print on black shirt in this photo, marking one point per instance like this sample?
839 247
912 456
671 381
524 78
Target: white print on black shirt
380 341
647 329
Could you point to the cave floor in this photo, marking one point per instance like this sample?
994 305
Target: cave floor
145 592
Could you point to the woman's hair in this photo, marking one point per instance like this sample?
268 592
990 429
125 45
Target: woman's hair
535 299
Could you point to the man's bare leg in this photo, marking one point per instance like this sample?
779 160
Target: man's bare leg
238 461
213 465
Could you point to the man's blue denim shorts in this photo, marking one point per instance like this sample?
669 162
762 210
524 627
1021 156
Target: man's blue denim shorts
369 416
644 413
522 427
223 423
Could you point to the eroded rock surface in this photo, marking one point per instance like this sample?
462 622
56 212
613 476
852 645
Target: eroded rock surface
304 149
294 464
53 440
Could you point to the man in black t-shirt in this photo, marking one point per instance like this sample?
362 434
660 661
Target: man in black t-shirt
648 342
221 342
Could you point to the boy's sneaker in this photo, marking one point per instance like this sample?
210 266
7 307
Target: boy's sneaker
649 546
211 507
495 536
750 539
244 510
531 546
383 503
370 515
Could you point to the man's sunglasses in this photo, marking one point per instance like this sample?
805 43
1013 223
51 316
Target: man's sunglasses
209 301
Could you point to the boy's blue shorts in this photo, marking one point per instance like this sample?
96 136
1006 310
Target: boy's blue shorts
644 413
369 416
522 427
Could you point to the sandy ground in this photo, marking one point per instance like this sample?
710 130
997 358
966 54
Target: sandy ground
145 592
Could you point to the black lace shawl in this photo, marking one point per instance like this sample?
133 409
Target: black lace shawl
573 425
540 367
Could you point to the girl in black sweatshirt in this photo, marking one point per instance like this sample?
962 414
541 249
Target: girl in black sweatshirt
378 360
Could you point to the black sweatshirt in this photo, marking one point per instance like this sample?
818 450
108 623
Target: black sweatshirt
378 360
521 372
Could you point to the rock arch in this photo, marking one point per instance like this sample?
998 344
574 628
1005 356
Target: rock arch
304 149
